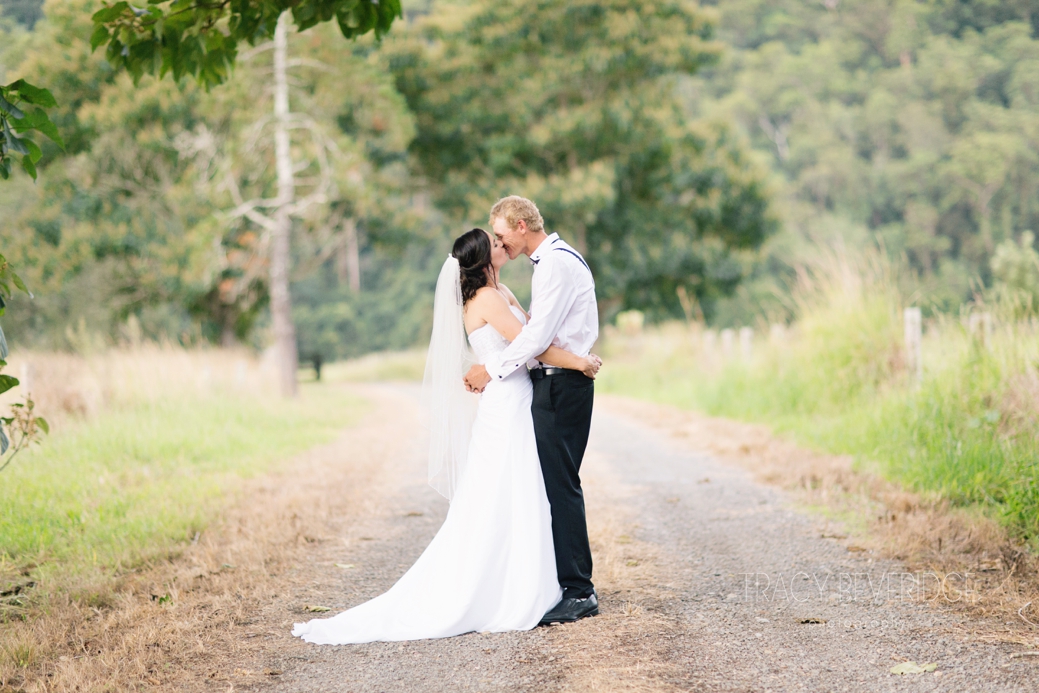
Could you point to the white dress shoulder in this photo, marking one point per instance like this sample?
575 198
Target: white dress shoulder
491 567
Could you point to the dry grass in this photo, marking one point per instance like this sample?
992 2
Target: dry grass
155 623
68 387
189 623
926 534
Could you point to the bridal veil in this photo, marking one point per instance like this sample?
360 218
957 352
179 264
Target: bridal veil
452 409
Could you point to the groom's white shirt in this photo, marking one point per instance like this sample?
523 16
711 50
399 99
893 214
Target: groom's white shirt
563 311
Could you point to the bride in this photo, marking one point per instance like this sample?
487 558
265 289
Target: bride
491 567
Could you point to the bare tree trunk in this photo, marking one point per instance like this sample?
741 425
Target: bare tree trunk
281 301
227 336
348 257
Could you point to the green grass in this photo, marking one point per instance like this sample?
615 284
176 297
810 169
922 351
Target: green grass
967 433
380 366
133 482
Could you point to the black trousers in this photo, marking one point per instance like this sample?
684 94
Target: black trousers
562 410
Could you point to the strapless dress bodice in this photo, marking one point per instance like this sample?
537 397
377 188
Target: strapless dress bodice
487 341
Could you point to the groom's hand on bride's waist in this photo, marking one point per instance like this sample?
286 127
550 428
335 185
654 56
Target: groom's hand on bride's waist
476 379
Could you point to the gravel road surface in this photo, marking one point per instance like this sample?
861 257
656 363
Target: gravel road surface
708 581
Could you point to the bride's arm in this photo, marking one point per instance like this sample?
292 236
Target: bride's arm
494 308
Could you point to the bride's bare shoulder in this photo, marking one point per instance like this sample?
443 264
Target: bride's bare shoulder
484 303
508 294
487 295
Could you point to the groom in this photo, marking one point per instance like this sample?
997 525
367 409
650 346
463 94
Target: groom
563 312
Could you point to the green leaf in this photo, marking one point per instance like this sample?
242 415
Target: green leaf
33 94
99 37
44 426
13 143
19 283
34 150
5 168
39 120
110 14
7 382
29 167
9 107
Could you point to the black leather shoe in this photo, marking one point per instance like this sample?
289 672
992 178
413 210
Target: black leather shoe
570 610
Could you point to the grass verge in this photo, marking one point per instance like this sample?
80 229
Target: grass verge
967 433
145 471
105 495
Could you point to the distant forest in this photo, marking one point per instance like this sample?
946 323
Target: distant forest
910 124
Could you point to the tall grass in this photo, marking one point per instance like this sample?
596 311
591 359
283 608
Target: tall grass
147 444
837 380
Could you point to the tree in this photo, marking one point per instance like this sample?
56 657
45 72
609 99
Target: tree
201 37
575 106
139 220
901 121
17 120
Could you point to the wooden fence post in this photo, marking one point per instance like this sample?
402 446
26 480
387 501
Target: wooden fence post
746 342
710 339
26 381
728 336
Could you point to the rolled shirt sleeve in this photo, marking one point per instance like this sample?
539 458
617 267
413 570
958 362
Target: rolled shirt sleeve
553 295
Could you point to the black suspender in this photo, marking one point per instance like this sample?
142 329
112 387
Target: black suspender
567 250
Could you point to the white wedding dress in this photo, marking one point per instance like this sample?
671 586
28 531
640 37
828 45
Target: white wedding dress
491 567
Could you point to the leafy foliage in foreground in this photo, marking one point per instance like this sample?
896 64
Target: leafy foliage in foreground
201 37
24 424
17 119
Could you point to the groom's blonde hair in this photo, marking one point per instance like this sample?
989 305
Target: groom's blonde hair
514 209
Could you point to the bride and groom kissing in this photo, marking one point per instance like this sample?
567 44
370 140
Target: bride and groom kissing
513 551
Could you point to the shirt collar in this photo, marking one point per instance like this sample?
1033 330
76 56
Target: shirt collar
540 251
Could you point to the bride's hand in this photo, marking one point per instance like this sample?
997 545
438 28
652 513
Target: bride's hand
592 365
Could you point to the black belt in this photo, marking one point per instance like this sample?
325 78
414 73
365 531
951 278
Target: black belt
537 373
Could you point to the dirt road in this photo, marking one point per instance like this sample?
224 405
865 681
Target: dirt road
708 581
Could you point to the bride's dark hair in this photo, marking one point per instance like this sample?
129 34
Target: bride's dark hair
473 251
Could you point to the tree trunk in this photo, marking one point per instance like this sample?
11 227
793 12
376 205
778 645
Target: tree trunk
227 336
348 257
281 301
